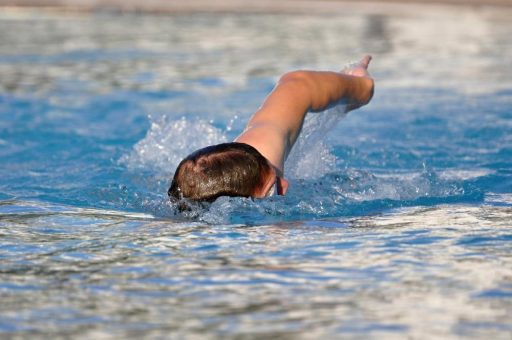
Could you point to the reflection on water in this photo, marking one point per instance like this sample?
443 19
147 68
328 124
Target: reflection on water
420 271
150 52
397 223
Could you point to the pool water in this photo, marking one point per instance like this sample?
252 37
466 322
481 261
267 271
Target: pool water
397 223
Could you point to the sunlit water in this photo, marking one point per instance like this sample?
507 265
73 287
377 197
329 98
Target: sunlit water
398 219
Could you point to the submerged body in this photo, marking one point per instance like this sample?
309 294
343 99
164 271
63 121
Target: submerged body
270 133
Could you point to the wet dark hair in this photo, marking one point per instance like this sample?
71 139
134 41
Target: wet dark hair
228 169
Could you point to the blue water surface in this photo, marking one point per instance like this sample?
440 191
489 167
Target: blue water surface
393 211
60 151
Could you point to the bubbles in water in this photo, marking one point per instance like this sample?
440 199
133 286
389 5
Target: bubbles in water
169 141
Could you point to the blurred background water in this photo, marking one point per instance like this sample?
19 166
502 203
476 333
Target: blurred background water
397 222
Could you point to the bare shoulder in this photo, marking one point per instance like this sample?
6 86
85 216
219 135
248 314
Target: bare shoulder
268 139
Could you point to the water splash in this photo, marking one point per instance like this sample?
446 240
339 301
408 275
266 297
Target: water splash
362 186
317 188
169 141
310 157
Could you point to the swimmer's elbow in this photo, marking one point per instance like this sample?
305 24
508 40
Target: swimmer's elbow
298 77
306 89
298 87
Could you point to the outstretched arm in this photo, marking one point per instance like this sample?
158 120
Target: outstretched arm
274 128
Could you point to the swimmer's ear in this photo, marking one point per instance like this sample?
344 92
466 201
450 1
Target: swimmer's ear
282 186
268 186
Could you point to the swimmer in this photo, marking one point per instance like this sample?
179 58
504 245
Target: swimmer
253 164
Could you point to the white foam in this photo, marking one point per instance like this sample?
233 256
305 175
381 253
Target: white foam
363 186
458 174
168 141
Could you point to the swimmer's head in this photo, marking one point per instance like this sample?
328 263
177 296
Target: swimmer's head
228 169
